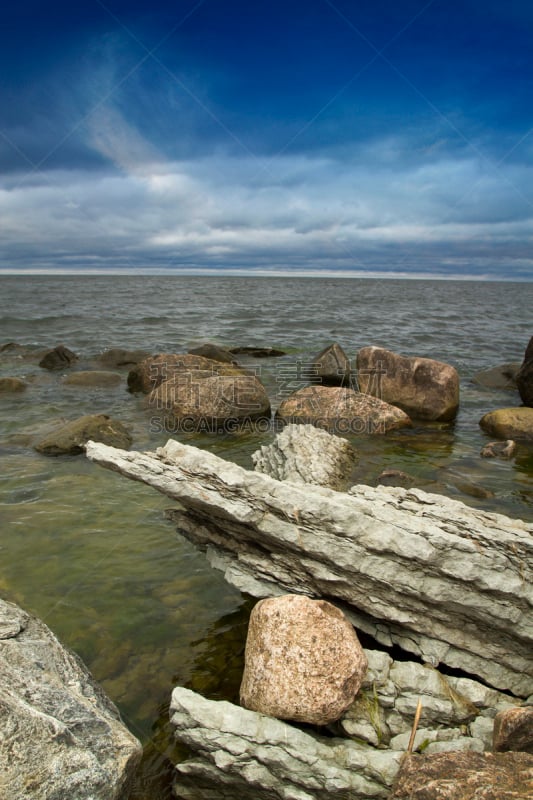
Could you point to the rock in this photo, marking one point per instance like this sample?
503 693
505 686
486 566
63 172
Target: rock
58 358
465 776
10 385
444 581
331 367
500 377
341 411
213 352
239 753
524 376
199 402
423 388
305 454
395 477
257 352
155 370
453 708
509 423
71 438
60 736
303 660
117 357
513 730
90 378
499 449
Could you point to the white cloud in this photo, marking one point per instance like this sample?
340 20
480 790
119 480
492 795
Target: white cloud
294 211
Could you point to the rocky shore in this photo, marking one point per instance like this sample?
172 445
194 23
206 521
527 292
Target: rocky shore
441 592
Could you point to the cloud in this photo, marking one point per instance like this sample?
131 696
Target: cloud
442 215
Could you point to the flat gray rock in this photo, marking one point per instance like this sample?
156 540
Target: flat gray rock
60 736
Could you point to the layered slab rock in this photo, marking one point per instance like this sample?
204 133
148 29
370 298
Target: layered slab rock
442 580
60 736
422 387
303 660
305 454
341 411
239 753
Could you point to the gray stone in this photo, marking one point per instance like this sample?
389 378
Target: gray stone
58 358
501 377
239 753
71 437
331 367
60 736
305 454
444 581
303 660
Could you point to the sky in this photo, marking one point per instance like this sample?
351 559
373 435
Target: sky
359 137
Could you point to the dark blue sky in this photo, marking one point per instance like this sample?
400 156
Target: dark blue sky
376 137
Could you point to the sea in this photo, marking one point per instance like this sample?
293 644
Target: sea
92 553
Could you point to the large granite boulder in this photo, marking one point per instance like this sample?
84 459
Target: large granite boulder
154 370
305 454
303 660
513 730
342 411
509 423
60 736
12 385
465 776
198 401
58 358
71 438
331 366
93 379
524 376
422 387
236 753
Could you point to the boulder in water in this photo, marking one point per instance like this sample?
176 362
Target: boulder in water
331 367
58 358
509 423
71 438
11 385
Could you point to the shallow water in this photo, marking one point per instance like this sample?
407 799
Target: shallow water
92 554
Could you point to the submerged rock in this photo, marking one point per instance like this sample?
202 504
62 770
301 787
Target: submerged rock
60 736
422 387
465 776
71 438
305 454
331 367
257 352
93 378
303 660
500 377
509 423
58 358
499 449
214 352
117 357
341 411
12 385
